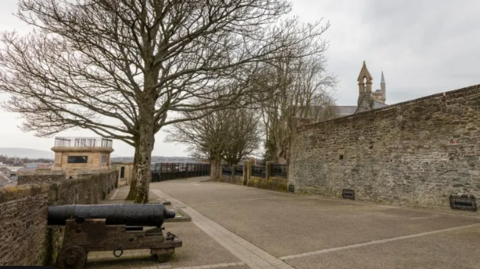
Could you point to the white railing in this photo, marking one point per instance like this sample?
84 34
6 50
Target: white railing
83 142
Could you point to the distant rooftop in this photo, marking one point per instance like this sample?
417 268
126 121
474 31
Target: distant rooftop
345 110
83 142
350 110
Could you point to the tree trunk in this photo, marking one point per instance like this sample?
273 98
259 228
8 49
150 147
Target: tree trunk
215 169
144 143
142 172
133 184
143 155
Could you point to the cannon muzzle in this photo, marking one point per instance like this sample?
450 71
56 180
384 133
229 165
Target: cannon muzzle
129 215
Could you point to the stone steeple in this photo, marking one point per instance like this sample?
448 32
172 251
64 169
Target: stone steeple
364 80
383 89
365 98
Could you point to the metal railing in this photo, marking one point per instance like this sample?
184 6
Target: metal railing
278 170
239 170
226 170
83 142
259 171
169 171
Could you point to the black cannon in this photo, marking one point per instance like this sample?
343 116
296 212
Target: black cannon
112 227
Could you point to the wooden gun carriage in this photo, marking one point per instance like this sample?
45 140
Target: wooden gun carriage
112 227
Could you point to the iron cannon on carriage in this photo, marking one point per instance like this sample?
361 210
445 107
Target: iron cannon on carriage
112 227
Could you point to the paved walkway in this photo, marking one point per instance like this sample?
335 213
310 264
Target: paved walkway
241 227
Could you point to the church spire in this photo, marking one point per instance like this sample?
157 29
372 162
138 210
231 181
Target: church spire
383 89
365 99
364 79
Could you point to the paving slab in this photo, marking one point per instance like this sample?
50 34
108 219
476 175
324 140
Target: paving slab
304 231
457 249
288 224
194 191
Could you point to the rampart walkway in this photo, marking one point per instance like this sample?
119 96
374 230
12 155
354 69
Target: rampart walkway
240 227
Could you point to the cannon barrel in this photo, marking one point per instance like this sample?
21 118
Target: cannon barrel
130 215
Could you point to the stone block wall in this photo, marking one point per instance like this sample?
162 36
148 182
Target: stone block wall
269 182
40 176
23 225
235 179
98 159
277 184
127 172
26 237
415 153
257 182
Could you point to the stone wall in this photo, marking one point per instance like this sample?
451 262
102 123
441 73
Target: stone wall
27 239
416 153
127 172
40 176
272 183
269 182
235 179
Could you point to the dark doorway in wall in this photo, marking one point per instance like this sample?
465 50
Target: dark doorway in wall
122 172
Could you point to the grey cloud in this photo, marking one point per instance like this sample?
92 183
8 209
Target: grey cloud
423 46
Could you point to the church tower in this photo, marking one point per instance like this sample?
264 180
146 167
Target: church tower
365 97
380 95
383 89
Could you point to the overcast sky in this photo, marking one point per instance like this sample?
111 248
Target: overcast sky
423 47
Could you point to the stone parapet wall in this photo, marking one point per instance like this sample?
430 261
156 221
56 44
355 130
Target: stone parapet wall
416 153
277 184
26 237
232 179
272 183
23 225
40 176
269 182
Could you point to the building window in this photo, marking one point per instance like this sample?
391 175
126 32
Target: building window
104 159
77 159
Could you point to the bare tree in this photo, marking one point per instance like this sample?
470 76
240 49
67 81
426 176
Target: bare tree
243 133
228 135
299 87
118 67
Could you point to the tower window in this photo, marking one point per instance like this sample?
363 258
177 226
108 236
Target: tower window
77 159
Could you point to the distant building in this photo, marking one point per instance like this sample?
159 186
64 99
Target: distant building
76 155
34 166
125 172
367 100
4 180
12 172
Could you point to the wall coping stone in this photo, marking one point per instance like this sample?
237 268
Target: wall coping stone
9 193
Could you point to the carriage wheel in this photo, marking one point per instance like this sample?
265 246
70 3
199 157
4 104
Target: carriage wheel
72 258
